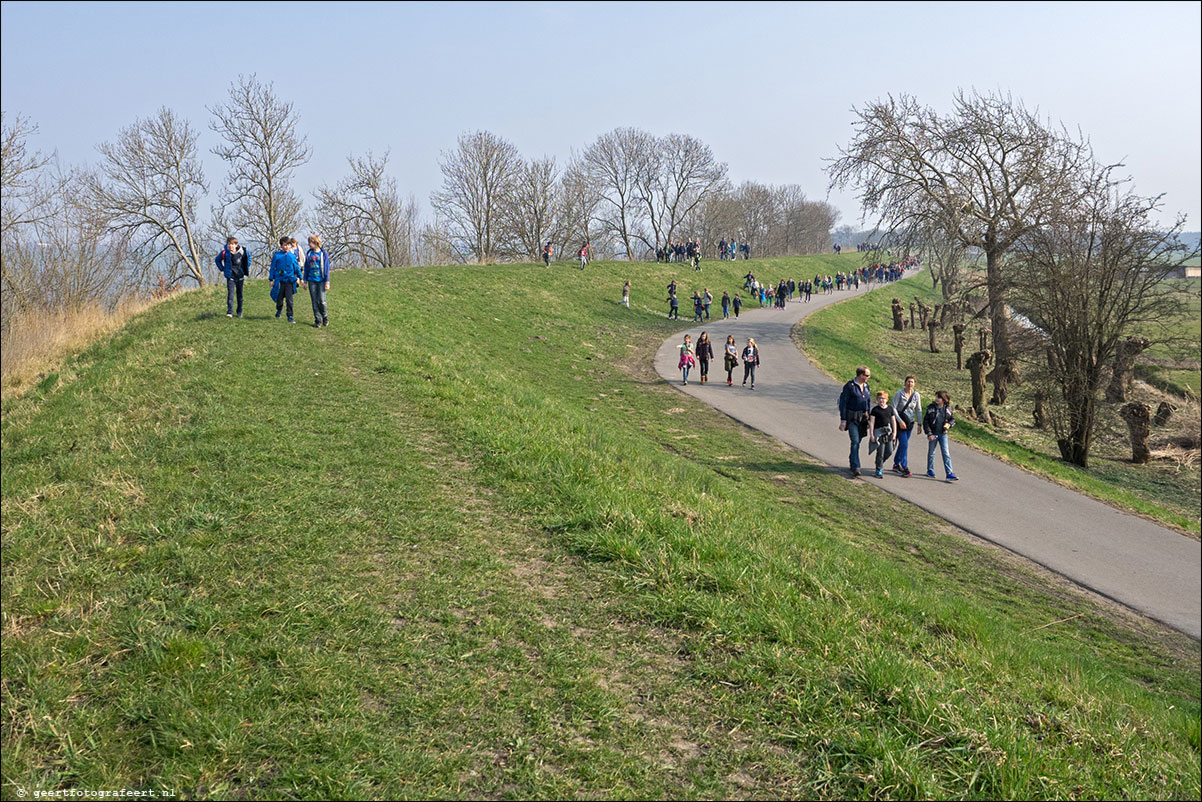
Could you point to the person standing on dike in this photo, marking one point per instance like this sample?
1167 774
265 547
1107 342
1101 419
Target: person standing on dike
854 403
687 360
908 404
234 264
626 294
732 358
705 352
751 361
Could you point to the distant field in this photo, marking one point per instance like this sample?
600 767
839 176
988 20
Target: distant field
464 543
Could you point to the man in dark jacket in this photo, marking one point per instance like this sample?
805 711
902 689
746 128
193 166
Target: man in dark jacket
234 264
854 403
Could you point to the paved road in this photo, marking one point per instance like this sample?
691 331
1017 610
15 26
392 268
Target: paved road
1124 557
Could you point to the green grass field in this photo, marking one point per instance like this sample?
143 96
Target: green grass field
464 543
860 332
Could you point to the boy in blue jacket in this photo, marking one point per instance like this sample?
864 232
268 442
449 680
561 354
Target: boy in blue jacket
285 272
234 264
317 276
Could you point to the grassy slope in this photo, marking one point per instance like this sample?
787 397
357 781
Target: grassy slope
860 331
464 543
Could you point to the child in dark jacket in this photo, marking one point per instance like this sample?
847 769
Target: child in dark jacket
704 353
234 264
935 425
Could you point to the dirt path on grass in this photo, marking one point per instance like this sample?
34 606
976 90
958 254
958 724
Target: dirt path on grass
1124 557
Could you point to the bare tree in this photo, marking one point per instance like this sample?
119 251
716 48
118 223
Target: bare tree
532 215
1090 277
147 187
28 190
68 259
619 163
991 170
263 148
28 196
683 174
580 208
479 178
364 218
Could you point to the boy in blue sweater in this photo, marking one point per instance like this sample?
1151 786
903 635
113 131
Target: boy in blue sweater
285 273
317 276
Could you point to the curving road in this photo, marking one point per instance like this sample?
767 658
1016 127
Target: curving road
1129 559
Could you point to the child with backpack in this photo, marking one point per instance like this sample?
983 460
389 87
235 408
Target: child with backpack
284 275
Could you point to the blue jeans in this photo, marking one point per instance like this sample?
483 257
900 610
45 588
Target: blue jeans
854 432
901 457
684 373
317 296
941 441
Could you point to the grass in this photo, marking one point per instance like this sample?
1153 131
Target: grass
37 341
860 332
464 543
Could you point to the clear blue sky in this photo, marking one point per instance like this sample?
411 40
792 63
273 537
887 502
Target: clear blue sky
768 86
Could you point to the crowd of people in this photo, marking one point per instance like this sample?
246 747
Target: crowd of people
290 270
699 355
888 424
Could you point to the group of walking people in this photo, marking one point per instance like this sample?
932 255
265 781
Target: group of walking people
700 354
288 270
889 423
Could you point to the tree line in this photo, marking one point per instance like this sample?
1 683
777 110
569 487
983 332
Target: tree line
133 222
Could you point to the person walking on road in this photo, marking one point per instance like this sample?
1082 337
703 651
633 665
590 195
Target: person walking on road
882 430
751 361
234 264
705 352
935 424
854 403
731 358
736 305
907 402
687 360
725 305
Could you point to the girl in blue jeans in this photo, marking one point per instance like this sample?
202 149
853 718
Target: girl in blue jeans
935 424
907 402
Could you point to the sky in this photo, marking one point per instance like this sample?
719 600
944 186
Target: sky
771 87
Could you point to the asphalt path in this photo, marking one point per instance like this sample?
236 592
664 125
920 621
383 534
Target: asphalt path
1149 568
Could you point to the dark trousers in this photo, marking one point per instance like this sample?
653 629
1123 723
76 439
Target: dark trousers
705 367
748 371
233 288
674 312
287 288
